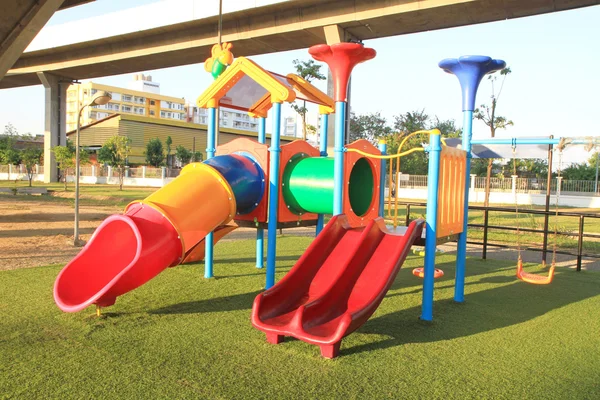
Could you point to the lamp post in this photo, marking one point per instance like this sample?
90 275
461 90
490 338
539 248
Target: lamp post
100 98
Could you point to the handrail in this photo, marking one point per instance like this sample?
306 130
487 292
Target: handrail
386 157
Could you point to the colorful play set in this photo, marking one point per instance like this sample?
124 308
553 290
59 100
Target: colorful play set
343 276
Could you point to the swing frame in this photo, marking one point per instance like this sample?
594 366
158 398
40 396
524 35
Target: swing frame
537 279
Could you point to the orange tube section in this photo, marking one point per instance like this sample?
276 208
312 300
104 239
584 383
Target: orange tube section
195 203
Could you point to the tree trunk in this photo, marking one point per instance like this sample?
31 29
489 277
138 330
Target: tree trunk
304 122
121 173
488 176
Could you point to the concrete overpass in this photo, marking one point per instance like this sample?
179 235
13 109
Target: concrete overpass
20 23
278 27
282 26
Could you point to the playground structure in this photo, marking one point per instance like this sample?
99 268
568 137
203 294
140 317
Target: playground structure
345 273
240 184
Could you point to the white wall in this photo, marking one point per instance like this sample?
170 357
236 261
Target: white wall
508 198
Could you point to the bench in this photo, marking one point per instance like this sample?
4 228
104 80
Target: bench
24 190
32 190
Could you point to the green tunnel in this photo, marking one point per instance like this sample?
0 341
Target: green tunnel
307 185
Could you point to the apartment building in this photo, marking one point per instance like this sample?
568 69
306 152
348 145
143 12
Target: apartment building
228 118
142 98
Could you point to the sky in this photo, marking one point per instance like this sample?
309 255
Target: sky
553 88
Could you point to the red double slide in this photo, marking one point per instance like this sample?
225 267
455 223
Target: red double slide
336 285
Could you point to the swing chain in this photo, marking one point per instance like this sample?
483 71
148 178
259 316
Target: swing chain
558 190
514 155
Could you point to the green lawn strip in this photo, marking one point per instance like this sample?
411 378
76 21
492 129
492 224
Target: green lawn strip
181 336
94 195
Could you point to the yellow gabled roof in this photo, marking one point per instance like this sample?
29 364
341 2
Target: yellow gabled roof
244 67
311 93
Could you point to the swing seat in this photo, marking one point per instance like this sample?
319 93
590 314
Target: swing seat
534 278
420 272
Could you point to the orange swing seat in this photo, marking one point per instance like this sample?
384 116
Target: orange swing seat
534 278
420 272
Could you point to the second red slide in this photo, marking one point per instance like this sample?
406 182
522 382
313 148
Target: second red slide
336 285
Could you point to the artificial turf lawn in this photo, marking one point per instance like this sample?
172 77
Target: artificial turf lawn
181 336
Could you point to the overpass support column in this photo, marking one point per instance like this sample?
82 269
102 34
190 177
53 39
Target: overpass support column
55 120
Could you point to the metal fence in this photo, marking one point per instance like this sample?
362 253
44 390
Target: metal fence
522 185
580 235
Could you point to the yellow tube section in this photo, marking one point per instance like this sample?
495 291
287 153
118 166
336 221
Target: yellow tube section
196 202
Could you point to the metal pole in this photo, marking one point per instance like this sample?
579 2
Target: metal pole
260 233
580 243
323 151
431 225
547 208
485 233
273 194
383 150
77 162
210 153
338 163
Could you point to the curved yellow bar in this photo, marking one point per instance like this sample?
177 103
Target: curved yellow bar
195 203
387 157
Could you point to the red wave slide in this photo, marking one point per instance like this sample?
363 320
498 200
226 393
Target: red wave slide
336 285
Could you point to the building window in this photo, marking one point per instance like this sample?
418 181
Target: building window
126 109
151 112
152 102
127 98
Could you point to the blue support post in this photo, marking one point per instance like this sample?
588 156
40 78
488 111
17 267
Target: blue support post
469 70
260 233
323 151
383 148
338 162
433 176
211 136
461 249
275 151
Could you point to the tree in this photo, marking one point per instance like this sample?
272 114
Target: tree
370 126
405 124
114 153
154 152
30 157
487 114
65 158
197 156
585 171
8 154
183 155
309 71
311 130
168 144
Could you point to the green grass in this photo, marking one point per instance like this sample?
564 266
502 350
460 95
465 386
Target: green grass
181 336
89 194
